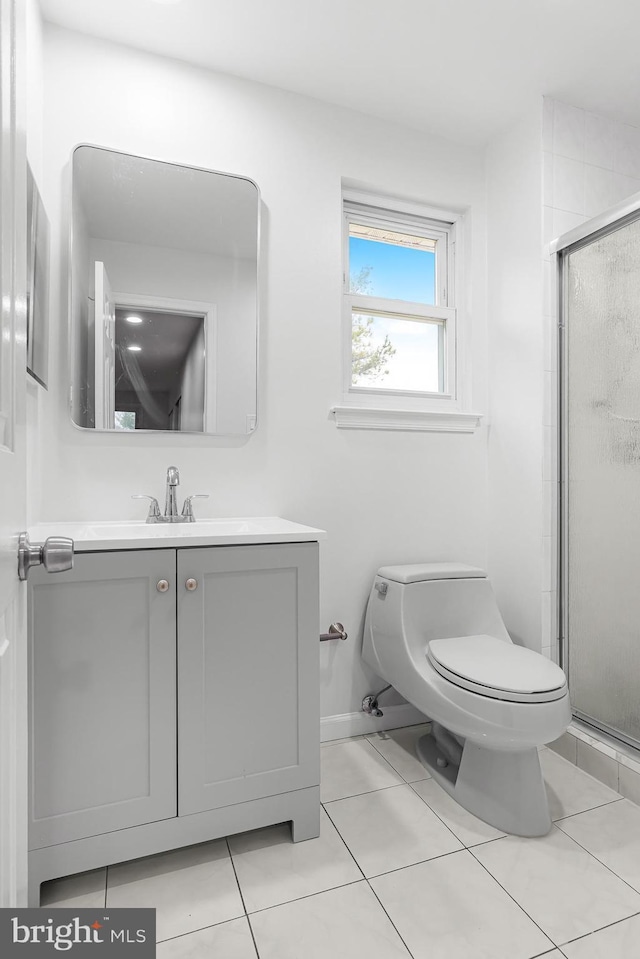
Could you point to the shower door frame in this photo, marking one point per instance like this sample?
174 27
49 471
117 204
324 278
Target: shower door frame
599 226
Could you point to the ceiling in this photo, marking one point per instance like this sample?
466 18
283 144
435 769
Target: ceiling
165 339
459 68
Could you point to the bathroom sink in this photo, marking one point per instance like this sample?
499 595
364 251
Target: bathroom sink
136 534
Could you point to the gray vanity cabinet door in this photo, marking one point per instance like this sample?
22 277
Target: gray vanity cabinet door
248 683
102 686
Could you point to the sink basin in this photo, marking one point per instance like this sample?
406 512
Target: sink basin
136 534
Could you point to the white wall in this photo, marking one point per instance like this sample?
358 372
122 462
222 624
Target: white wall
590 163
383 497
516 343
548 173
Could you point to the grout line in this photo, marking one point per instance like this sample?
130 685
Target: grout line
244 905
309 895
328 815
444 823
390 919
513 899
345 739
368 792
593 856
212 925
255 944
233 866
608 926
609 802
420 862
369 884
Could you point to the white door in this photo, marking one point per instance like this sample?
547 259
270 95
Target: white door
13 657
105 351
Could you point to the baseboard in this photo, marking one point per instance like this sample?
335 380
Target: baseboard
344 725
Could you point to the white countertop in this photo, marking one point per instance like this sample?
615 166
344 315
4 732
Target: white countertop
136 534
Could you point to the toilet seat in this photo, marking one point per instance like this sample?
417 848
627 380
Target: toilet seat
497 669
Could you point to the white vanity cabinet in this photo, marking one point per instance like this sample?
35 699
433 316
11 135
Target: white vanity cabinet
248 684
174 699
102 644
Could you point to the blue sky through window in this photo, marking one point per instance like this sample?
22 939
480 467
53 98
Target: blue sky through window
397 272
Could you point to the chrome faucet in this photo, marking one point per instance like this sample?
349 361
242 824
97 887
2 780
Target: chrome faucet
170 505
171 514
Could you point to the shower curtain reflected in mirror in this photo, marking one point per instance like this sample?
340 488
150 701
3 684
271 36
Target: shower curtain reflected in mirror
600 291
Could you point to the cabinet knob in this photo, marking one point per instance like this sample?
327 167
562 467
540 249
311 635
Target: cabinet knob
162 585
191 584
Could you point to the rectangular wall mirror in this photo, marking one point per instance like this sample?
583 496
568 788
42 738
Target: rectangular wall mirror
164 268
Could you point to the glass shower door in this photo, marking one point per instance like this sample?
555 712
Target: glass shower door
601 472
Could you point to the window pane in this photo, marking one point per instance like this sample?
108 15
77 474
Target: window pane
391 352
124 420
389 264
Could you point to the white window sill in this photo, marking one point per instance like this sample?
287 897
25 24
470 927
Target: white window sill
366 418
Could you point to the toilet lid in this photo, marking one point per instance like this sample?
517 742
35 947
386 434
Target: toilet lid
493 667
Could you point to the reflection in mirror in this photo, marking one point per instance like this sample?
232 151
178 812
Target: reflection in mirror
163 296
159 371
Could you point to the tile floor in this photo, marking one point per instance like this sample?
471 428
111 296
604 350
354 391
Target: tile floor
399 871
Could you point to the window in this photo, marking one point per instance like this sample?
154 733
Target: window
124 420
400 319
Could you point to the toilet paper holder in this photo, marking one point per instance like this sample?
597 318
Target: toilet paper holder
336 631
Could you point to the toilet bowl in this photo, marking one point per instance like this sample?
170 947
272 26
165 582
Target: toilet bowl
434 632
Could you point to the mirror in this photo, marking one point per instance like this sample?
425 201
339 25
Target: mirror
164 266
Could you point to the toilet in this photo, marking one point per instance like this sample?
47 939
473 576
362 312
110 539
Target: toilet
435 633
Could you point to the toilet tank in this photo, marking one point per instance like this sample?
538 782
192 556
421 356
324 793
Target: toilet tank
421 602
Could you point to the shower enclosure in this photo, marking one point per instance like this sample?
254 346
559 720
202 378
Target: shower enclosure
598 275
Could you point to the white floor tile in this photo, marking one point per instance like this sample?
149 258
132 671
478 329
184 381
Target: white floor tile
272 869
450 908
189 888
614 942
569 789
229 940
398 746
341 924
82 891
564 889
389 829
352 768
611 834
468 828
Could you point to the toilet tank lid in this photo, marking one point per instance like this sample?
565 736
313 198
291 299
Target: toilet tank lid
421 572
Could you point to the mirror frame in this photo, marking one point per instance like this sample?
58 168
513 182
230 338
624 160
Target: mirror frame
70 297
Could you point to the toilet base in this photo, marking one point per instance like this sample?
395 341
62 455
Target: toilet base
504 789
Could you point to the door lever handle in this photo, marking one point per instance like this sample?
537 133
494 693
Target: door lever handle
55 554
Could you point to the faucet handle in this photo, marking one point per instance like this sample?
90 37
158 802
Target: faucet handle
154 514
187 509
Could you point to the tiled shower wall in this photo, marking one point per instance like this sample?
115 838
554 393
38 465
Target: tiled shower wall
589 163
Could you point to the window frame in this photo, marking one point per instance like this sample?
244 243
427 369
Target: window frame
440 225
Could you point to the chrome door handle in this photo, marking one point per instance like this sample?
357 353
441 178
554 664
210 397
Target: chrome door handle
55 554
